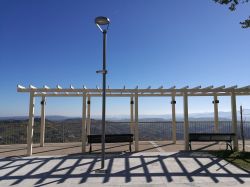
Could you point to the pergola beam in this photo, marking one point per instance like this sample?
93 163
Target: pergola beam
245 87
46 87
32 87
232 87
55 94
220 87
173 87
59 87
209 87
161 90
197 87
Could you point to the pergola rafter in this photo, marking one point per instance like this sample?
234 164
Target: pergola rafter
196 91
133 94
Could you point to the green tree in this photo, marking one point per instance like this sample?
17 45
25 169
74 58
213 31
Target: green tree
232 4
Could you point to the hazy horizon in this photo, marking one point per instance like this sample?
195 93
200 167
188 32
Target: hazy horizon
222 114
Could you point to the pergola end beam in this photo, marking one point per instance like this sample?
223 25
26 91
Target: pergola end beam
209 87
32 87
58 87
220 87
197 87
231 87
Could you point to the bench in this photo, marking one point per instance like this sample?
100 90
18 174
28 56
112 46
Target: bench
110 138
209 137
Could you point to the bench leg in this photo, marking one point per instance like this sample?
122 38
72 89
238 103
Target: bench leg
190 148
130 149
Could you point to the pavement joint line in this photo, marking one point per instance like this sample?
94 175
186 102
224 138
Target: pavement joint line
155 145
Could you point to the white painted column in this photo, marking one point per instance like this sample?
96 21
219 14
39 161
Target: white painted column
136 135
186 123
131 115
88 116
216 114
173 102
42 129
234 120
31 125
84 123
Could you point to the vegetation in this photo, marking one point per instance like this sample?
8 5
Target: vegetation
240 159
69 130
232 4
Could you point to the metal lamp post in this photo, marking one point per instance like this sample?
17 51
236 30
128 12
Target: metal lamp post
103 24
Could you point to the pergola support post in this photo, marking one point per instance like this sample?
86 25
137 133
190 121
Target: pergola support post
131 115
88 116
136 135
173 102
31 125
186 123
216 114
84 123
234 121
42 129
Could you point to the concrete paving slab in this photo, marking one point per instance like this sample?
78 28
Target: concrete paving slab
137 169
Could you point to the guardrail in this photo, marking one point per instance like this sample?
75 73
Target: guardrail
15 132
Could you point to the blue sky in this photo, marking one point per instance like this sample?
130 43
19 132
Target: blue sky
150 42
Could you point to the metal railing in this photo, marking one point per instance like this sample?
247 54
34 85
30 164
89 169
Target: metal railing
15 132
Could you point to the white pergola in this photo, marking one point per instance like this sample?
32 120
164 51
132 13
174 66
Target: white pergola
133 94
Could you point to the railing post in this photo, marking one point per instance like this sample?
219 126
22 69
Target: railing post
42 129
216 116
31 124
84 123
186 123
173 102
234 120
136 124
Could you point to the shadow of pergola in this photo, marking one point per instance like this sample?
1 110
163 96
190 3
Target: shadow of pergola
123 166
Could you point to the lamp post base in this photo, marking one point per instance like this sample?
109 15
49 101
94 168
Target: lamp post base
101 171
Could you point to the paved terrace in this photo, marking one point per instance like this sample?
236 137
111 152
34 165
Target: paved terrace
51 149
156 164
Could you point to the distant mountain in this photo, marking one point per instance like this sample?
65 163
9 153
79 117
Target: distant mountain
14 118
206 116
52 117
58 118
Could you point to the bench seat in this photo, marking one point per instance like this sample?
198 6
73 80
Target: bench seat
211 137
110 138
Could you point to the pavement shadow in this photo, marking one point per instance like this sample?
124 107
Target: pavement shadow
57 170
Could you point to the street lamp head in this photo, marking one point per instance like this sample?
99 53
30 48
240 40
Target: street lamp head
102 22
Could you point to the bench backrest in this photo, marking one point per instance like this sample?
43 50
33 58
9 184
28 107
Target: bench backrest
211 136
110 138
